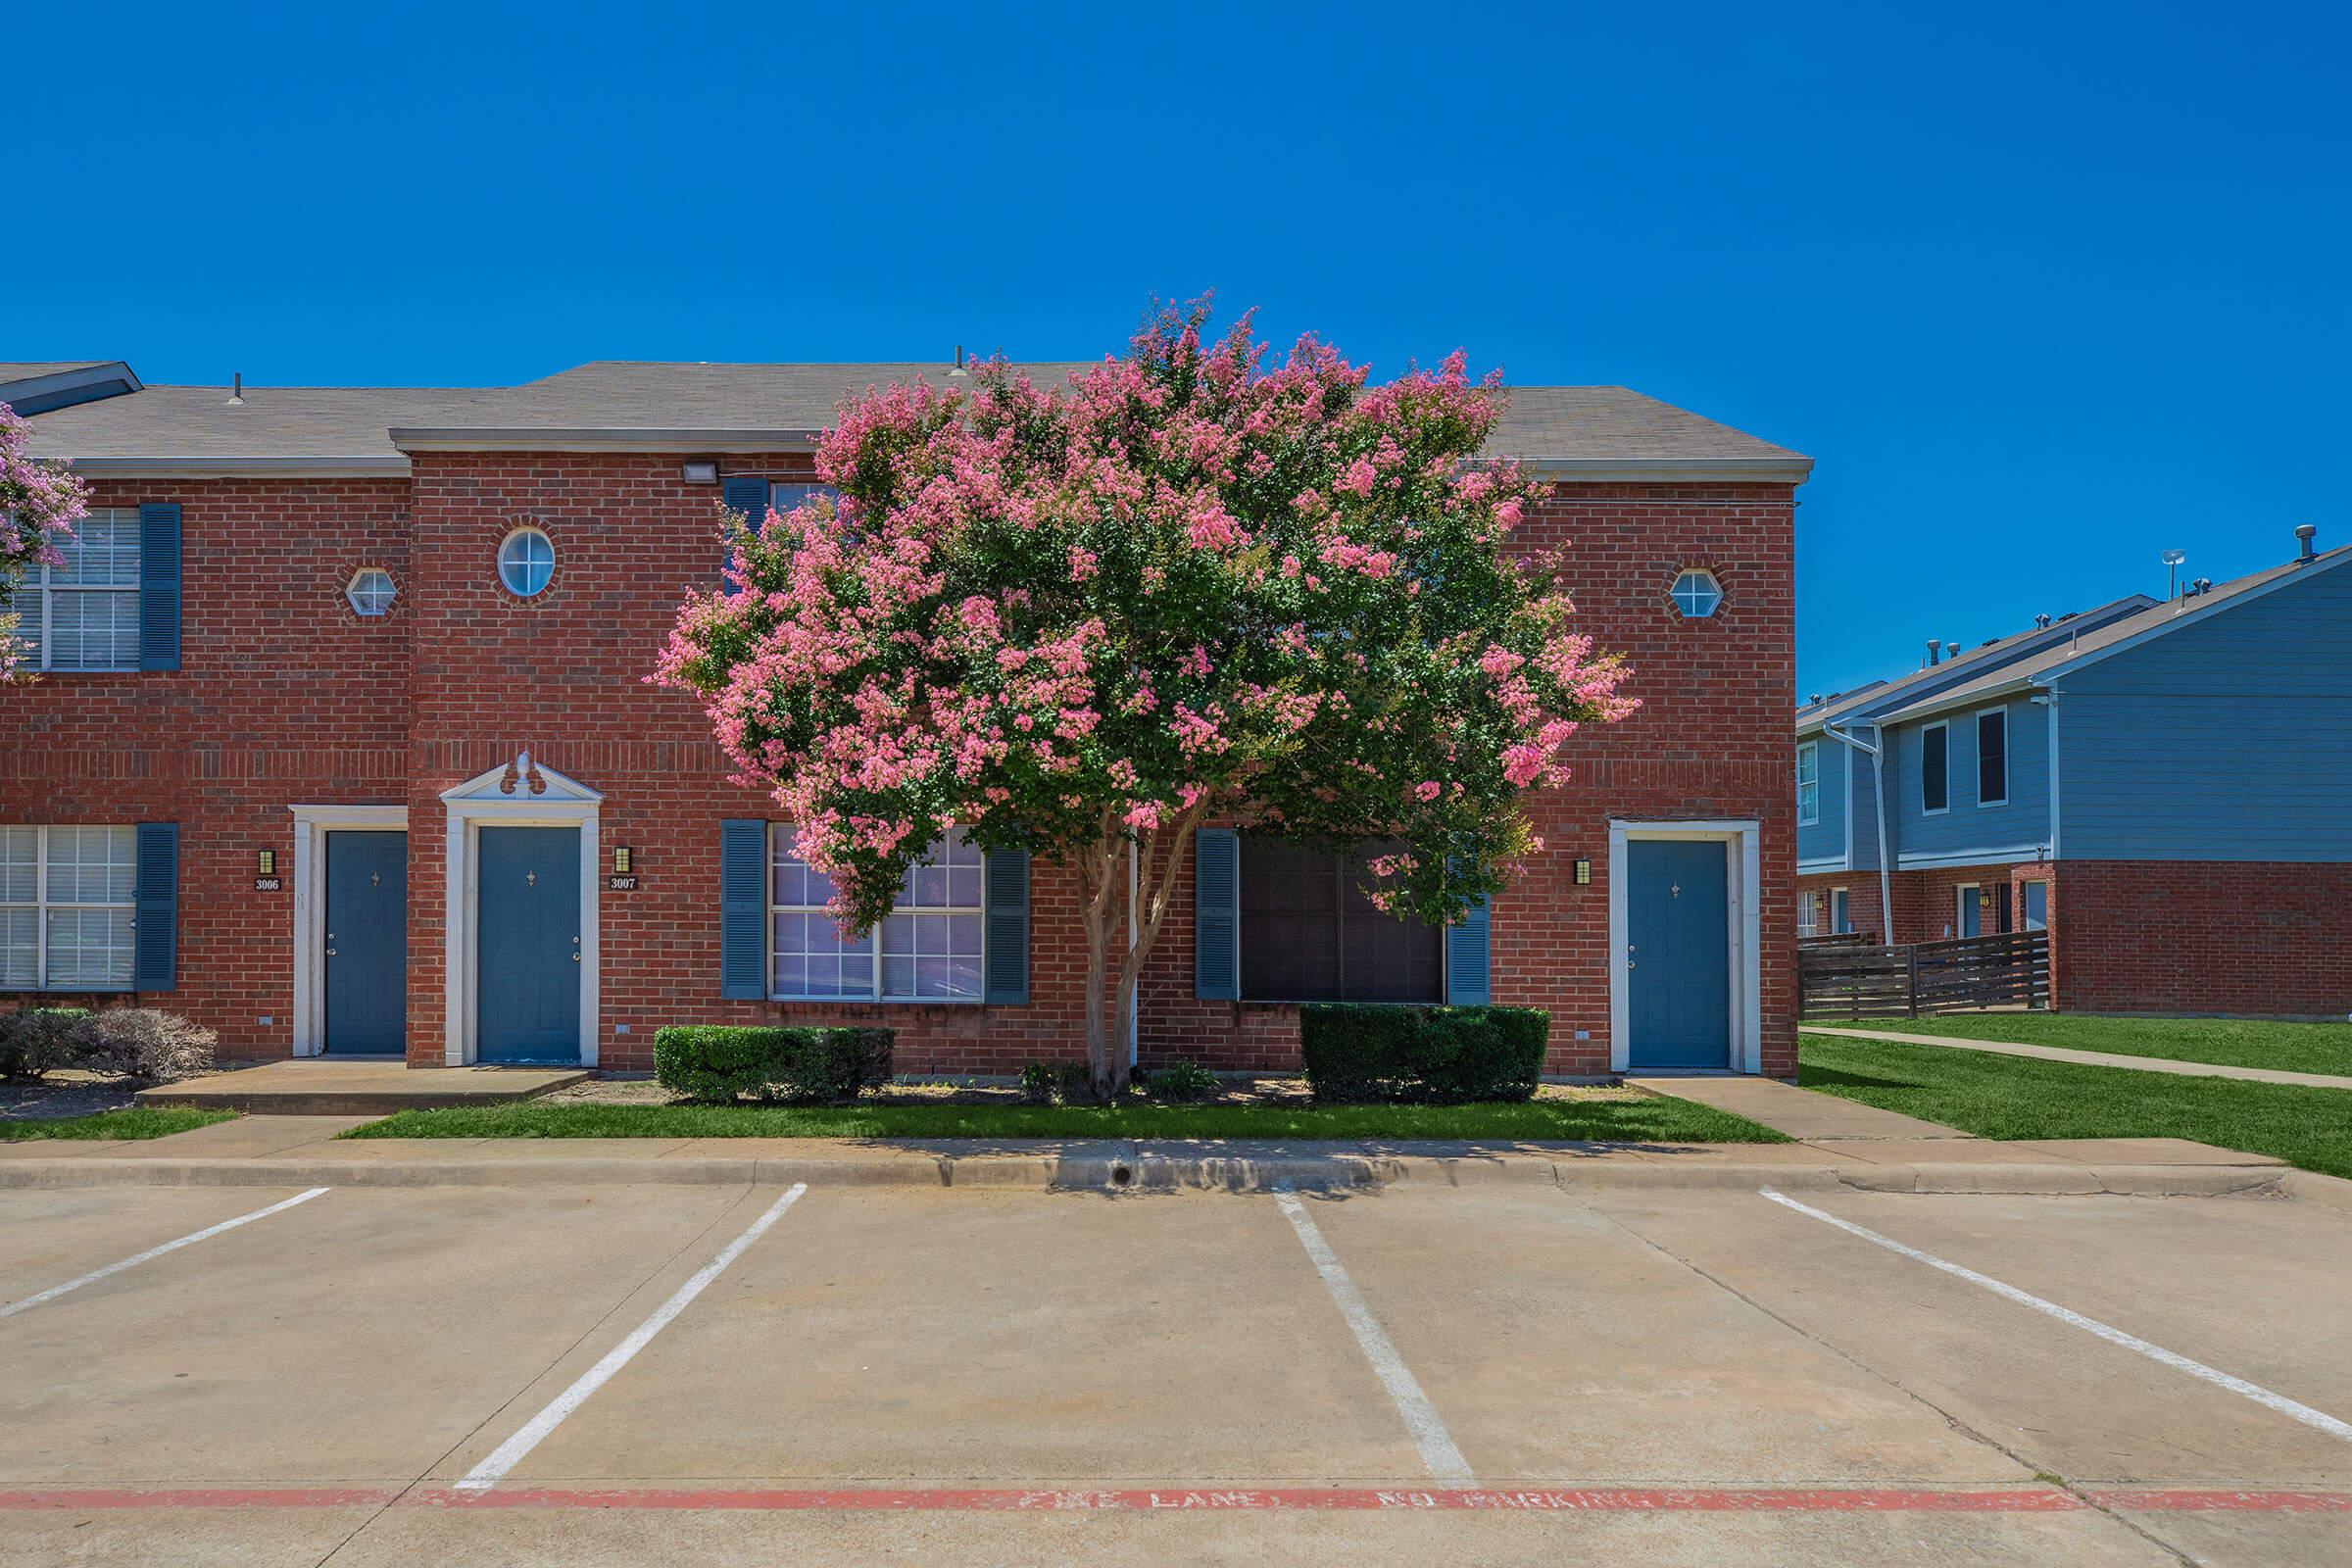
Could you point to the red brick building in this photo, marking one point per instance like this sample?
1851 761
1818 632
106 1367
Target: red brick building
342 746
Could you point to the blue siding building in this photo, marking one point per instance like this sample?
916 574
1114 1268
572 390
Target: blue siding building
2175 776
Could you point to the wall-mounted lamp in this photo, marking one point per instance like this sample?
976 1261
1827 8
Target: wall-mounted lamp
264 863
699 473
624 859
1584 873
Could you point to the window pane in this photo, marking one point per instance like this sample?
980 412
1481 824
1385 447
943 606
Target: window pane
1992 757
89 630
19 877
92 864
1310 932
20 949
1932 745
89 949
811 958
104 551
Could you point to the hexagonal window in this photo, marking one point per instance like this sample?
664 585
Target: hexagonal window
371 591
1697 594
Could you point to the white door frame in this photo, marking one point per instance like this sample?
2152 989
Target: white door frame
1743 869
516 793
312 824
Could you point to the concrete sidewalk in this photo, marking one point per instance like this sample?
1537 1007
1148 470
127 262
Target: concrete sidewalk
1798 1113
2096 1058
302 1152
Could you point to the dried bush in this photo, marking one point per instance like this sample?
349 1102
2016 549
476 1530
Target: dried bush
143 1043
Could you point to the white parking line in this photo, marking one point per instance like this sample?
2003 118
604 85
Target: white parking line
2280 1402
1445 1460
482 1477
134 1261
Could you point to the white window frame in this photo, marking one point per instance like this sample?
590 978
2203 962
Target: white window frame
351 591
516 536
1714 586
2002 713
37 583
876 996
1841 912
1808 753
42 907
1808 912
1924 810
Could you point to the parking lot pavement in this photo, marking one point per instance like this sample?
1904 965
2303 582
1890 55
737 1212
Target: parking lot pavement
964 1376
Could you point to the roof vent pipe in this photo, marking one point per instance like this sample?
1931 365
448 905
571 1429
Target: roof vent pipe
2042 623
1935 653
2305 534
237 392
1951 650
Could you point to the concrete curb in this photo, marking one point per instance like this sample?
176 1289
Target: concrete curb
1161 1173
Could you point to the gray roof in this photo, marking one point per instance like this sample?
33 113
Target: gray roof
624 405
26 369
2161 615
1970 666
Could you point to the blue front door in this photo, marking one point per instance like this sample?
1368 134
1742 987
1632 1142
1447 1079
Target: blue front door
366 947
527 956
1678 953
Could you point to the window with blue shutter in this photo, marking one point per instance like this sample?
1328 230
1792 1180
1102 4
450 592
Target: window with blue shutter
156 942
1007 907
159 586
1216 914
746 493
742 909
1469 966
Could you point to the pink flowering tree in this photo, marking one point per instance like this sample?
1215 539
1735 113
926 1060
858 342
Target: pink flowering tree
1186 587
39 504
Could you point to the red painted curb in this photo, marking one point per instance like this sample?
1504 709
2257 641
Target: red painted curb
1684 1499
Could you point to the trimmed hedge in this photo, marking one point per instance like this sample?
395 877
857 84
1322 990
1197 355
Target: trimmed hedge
1430 1055
721 1061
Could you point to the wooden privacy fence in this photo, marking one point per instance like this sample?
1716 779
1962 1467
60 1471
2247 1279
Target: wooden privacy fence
1851 980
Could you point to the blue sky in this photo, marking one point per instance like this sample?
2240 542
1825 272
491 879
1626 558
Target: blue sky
2043 289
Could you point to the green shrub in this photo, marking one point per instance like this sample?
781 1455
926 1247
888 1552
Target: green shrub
718 1061
33 1040
1181 1083
1435 1055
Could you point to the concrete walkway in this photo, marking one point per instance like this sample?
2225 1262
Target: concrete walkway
2098 1059
316 1086
1785 1108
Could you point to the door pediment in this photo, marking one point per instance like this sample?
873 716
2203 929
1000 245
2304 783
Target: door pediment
523 779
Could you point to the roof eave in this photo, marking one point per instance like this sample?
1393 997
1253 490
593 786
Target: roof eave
486 438
335 465
1789 470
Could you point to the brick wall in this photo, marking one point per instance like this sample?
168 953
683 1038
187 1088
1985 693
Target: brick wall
2205 937
283 695
286 696
1861 901
1711 741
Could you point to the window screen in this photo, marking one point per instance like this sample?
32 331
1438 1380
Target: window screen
1310 933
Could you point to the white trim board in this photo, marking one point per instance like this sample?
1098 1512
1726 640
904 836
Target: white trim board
312 824
485 800
1943 859
1743 870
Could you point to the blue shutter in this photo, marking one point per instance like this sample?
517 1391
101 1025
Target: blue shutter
1216 914
1005 912
159 586
741 908
746 494
154 944
1469 969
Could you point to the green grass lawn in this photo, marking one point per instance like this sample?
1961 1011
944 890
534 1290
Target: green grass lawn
132 1121
2022 1096
1645 1121
2230 1042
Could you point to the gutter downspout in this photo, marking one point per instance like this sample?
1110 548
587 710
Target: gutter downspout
1877 802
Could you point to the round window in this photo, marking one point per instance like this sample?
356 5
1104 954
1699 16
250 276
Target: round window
369 591
1697 594
526 561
